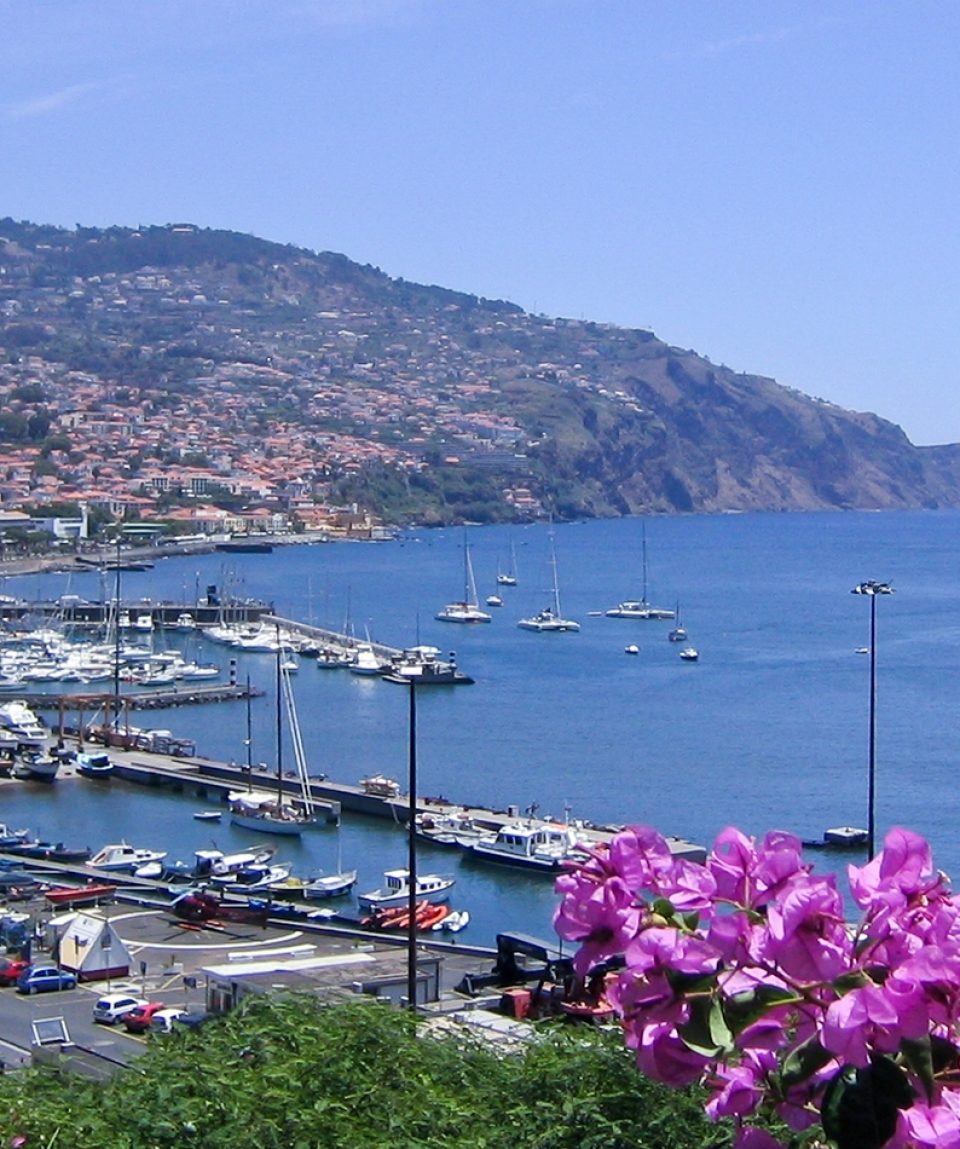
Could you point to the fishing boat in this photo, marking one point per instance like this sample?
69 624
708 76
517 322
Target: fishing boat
36 766
640 608
276 813
120 856
94 765
547 848
466 609
329 885
550 619
395 890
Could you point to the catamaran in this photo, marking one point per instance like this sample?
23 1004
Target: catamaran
468 608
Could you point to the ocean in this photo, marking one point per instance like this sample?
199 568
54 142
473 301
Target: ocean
769 729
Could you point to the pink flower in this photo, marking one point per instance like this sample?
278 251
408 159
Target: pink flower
806 934
926 1127
602 917
741 1091
667 947
662 1055
640 856
902 869
853 1022
748 876
749 1137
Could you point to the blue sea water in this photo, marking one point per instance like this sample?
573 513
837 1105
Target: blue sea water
768 729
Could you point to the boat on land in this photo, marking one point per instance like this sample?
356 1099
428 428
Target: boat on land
36 766
547 848
550 619
640 608
94 765
467 609
79 895
424 666
120 856
395 890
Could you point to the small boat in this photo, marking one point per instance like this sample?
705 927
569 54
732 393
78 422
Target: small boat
631 649
862 650
207 815
454 922
689 654
448 829
11 837
493 600
151 870
36 767
367 662
380 786
50 851
679 632
94 765
253 877
120 856
330 885
79 895
396 890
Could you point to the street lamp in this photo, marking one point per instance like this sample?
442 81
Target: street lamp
873 589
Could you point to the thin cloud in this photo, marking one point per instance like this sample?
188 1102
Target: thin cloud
52 102
714 48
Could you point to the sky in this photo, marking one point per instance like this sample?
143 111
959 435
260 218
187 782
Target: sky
774 185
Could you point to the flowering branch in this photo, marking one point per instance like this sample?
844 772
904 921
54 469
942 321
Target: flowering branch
743 973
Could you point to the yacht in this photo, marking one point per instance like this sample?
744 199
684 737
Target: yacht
534 847
395 890
550 618
120 856
424 666
689 654
367 662
640 608
468 608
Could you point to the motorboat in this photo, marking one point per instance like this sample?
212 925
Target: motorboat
632 648
11 837
380 786
450 829
120 856
493 600
19 721
395 890
367 662
329 885
423 665
466 609
94 765
546 847
689 654
264 876
215 863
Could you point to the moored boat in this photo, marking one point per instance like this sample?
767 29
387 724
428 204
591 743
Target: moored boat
94 765
395 890
121 856
545 847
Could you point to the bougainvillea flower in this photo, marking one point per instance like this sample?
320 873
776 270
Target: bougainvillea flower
926 1127
662 1055
806 934
903 868
603 918
739 1094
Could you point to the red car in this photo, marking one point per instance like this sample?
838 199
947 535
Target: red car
138 1019
11 969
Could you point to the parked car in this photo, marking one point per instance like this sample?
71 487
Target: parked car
138 1019
162 1021
44 978
11 969
113 1007
193 1019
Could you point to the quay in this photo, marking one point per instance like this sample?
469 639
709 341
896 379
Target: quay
211 781
75 611
185 695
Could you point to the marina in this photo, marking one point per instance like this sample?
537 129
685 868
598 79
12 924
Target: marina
566 731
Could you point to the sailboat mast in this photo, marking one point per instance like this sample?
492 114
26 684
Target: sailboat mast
556 582
643 553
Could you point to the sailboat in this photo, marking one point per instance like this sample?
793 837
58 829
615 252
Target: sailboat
550 618
275 813
679 632
468 608
508 578
640 608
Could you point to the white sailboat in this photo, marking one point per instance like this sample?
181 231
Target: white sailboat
550 618
508 578
468 608
640 608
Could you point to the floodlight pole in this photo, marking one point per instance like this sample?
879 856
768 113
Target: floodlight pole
872 588
412 852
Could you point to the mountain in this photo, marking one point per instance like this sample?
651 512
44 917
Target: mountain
340 383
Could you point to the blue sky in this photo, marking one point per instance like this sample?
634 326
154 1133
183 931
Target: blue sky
774 185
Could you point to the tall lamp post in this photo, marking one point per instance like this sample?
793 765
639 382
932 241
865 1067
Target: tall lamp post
412 852
872 588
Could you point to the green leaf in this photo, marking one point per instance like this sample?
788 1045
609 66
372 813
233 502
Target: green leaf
706 1032
803 1062
918 1055
743 1009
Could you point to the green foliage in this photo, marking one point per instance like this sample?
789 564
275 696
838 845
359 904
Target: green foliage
286 1074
